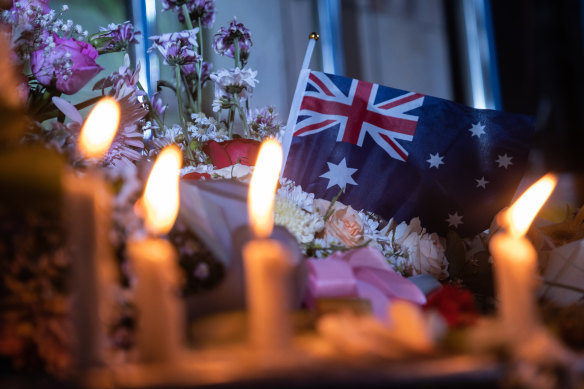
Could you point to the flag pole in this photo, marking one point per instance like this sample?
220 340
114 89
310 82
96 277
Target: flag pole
302 77
312 38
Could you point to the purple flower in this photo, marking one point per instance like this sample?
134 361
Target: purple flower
265 123
177 48
116 37
65 64
157 104
225 38
203 10
190 71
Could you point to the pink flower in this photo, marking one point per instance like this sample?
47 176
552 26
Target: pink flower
66 66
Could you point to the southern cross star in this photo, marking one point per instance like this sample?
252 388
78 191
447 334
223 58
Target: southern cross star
435 160
339 175
454 219
477 130
481 182
504 161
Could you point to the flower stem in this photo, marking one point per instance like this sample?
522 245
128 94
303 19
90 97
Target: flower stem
189 94
236 52
151 110
181 113
200 67
230 121
188 20
242 115
161 83
190 26
330 210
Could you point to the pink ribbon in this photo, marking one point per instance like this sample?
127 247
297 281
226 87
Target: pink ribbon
359 273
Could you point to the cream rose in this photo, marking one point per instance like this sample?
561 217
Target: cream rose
344 225
425 252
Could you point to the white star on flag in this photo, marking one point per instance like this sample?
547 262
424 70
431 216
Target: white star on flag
481 182
435 160
454 219
477 130
504 161
339 175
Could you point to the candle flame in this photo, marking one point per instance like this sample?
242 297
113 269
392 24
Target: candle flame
100 128
520 215
262 188
160 202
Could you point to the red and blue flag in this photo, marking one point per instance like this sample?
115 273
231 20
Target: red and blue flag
402 155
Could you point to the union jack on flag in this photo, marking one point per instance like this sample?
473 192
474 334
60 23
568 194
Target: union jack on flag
402 154
358 113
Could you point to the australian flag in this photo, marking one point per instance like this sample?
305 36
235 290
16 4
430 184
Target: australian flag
402 155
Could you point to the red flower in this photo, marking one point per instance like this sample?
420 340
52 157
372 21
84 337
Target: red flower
230 152
196 176
456 305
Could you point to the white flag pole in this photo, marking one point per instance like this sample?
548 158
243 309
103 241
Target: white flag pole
302 77
312 38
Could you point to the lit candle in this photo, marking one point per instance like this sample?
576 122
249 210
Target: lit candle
268 264
161 318
515 261
88 214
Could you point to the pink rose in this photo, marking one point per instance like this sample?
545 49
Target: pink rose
67 67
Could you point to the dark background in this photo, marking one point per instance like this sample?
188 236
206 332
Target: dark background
539 46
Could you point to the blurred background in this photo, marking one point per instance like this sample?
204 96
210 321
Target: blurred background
523 56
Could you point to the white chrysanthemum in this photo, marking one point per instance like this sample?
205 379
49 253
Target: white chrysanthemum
238 82
205 129
295 194
174 133
303 225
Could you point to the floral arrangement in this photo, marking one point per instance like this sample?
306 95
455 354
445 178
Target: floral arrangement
56 58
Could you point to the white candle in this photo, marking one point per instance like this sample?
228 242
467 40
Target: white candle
88 214
161 318
515 266
515 262
268 264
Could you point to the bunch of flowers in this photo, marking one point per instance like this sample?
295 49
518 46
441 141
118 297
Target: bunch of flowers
61 58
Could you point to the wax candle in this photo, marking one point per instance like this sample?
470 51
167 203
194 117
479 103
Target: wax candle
268 264
160 329
515 262
87 202
161 318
